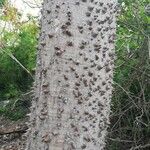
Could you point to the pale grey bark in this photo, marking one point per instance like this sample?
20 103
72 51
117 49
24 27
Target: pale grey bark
74 75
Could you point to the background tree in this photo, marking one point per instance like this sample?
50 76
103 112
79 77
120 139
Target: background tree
74 75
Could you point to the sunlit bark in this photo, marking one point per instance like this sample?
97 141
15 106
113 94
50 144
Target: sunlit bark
74 75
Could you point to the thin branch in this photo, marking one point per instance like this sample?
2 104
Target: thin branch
140 147
17 61
120 140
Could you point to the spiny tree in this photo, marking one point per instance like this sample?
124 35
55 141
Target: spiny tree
74 73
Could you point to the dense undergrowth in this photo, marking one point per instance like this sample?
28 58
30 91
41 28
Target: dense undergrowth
17 61
130 117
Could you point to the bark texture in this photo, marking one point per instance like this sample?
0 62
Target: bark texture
74 75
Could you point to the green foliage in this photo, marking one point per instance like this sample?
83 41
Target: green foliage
130 119
17 59
22 46
2 2
18 112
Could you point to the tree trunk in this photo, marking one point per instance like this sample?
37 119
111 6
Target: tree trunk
74 75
